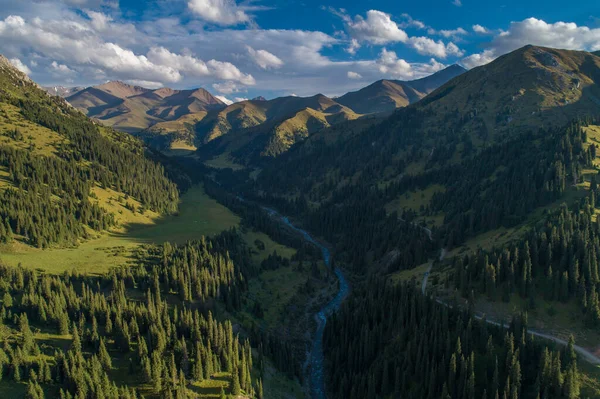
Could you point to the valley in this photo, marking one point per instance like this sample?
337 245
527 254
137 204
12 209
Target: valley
437 237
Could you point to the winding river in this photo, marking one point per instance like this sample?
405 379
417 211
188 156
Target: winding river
317 358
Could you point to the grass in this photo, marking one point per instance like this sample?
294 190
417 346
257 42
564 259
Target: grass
407 275
199 215
278 386
414 200
556 318
40 140
223 161
259 255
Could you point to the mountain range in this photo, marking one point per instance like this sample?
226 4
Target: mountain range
167 118
477 189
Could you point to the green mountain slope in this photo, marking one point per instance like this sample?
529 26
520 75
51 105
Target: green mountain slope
484 161
57 165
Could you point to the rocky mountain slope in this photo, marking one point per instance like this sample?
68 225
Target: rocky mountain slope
133 108
387 95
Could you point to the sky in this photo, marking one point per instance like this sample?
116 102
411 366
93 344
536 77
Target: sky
243 49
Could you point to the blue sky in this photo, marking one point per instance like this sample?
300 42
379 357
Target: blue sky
277 47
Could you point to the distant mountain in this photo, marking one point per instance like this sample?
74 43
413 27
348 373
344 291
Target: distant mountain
62 91
268 128
186 119
387 95
133 108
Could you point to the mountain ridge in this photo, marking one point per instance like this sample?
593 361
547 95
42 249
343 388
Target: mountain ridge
385 95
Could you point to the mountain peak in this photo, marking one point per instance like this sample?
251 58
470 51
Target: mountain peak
121 89
386 95
530 87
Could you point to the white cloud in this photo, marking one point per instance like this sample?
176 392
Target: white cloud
228 71
354 75
452 32
534 31
427 46
410 22
100 21
480 29
183 63
221 12
166 48
353 47
20 66
61 69
73 43
145 83
239 99
228 87
457 3
377 28
475 60
225 100
264 59
390 64
567 35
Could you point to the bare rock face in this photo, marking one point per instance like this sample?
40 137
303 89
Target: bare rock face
19 76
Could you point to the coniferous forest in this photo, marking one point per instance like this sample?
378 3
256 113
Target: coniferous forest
446 250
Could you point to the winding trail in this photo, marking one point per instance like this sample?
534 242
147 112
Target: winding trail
583 352
317 357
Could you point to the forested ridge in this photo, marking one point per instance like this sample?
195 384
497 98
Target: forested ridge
132 313
392 341
47 202
187 319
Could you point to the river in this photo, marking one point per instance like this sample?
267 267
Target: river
317 357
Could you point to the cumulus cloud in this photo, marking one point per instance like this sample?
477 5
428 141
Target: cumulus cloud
428 46
73 43
410 22
61 69
264 59
353 47
376 28
475 60
535 31
457 3
390 64
538 32
455 33
221 12
354 75
228 87
480 29
165 49
144 83
20 66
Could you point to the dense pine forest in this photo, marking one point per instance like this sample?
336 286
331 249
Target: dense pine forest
389 341
331 242
155 316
